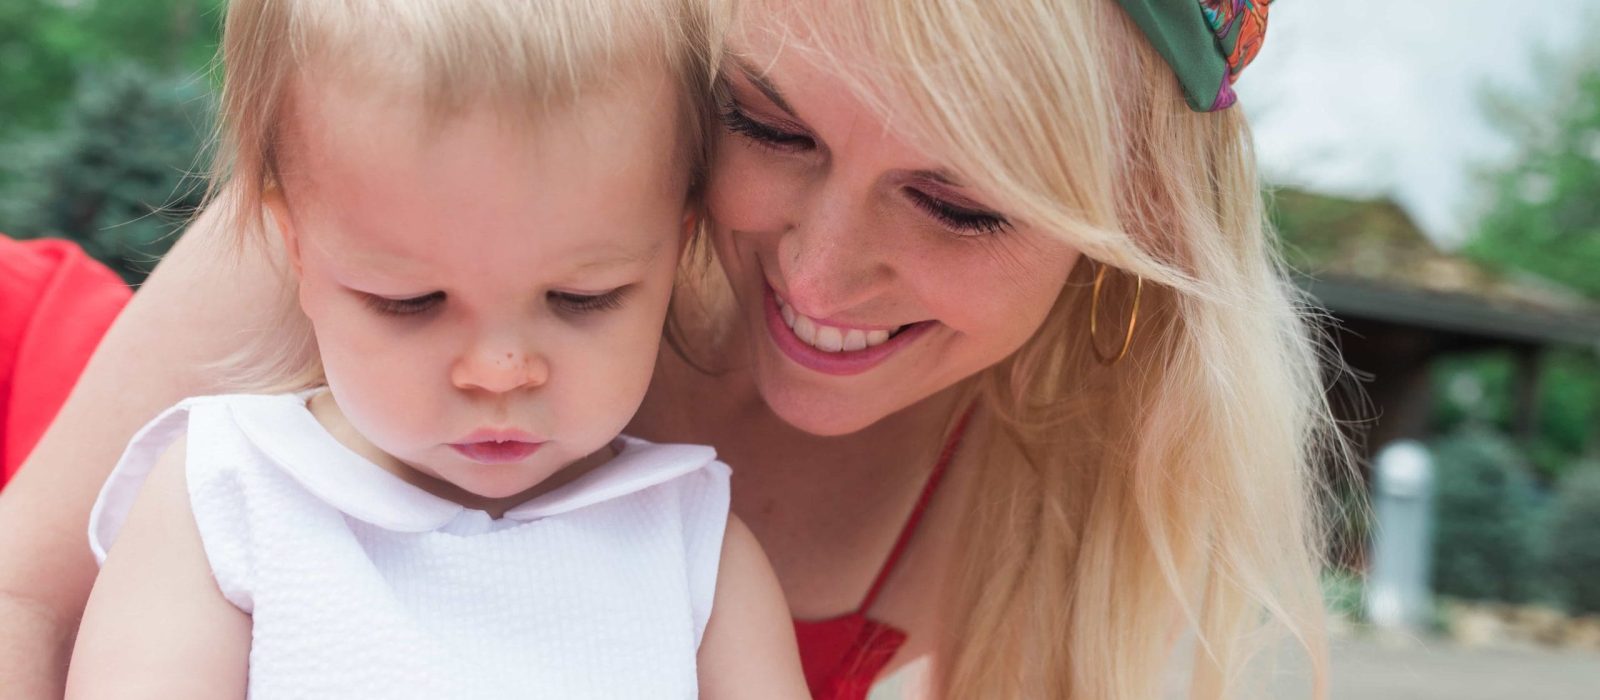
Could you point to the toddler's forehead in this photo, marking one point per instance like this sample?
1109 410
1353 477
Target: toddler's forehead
359 106
604 170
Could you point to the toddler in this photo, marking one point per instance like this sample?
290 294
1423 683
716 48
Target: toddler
483 204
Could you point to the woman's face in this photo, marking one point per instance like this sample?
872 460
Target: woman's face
867 276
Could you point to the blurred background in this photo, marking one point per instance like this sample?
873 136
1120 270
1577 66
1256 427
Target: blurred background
1433 168
105 107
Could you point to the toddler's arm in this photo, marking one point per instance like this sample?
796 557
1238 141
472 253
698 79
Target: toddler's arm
748 649
156 625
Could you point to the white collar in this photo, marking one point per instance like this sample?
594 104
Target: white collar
284 428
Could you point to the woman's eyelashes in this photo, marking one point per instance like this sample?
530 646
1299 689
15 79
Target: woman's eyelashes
763 134
960 220
567 303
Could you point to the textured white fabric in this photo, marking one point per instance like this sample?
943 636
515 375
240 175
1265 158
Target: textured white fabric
361 585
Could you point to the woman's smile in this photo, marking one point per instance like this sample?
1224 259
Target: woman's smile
834 348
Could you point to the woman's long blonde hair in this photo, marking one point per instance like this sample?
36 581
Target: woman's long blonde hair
1117 507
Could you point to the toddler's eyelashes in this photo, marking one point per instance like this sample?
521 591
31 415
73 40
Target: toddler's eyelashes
404 307
575 303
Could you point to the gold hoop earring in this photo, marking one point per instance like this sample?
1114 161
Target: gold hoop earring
1094 314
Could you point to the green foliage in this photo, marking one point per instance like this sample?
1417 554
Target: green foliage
1344 594
36 63
1475 390
1572 551
59 63
1569 410
1479 389
45 45
1483 518
1544 215
116 176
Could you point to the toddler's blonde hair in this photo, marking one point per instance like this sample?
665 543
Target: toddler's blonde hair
525 57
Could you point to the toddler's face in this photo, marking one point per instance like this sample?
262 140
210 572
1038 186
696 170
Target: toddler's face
487 295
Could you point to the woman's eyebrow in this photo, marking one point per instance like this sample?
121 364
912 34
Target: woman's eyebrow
765 86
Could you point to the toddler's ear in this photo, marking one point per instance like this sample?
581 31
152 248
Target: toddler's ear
278 210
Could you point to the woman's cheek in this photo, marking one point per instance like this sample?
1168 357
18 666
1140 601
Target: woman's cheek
1001 298
746 191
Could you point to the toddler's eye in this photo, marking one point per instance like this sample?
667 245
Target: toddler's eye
575 303
404 307
738 122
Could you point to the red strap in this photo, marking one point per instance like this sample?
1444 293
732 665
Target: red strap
950 447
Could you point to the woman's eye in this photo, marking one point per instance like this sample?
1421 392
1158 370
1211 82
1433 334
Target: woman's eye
961 220
405 307
736 121
577 304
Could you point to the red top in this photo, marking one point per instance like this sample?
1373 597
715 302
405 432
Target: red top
55 303
843 655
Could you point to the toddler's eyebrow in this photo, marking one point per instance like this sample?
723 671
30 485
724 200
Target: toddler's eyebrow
620 258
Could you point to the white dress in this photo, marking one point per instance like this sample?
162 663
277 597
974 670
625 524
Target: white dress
361 585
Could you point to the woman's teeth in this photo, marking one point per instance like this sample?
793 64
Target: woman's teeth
829 338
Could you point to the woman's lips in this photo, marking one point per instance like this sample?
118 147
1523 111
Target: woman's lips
858 349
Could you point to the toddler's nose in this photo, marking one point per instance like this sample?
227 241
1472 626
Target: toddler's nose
500 371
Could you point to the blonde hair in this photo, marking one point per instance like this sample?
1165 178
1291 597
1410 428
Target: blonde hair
525 57
1113 506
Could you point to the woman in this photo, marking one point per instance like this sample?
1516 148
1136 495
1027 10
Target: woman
988 326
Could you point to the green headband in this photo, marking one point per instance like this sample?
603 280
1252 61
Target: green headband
1207 42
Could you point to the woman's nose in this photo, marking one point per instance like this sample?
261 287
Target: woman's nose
832 259
500 368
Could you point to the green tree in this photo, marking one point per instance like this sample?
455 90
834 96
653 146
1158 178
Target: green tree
1543 218
36 62
104 105
1544 211
46 45
1477 390
119 175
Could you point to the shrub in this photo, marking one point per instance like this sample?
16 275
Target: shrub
1483 518
1572 550
117 175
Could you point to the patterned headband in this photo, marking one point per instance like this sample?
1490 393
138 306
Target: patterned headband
1207 46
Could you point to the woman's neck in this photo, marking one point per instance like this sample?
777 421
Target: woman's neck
725 409
826 509
812 500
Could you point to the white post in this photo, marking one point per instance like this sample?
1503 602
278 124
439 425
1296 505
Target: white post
1397 587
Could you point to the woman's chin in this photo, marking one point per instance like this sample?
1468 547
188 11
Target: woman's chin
821 410
821 421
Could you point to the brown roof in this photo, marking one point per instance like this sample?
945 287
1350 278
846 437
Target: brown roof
1371 249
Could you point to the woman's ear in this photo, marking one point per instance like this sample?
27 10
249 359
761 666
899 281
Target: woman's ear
278 211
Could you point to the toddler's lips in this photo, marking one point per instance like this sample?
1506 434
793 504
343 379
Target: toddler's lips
496 451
